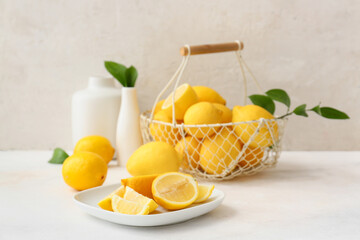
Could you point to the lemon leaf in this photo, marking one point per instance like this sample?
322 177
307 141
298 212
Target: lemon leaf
131 76
316 109
264 102
332 113
279 95
58 156
301 110
117 70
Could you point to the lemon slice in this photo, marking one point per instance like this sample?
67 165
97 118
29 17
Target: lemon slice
124 206
205 192
174 190
131 195
106 202
185 96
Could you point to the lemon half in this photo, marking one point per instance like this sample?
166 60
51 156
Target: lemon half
185 96
175 190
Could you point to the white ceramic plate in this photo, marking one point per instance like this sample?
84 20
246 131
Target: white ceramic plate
87 200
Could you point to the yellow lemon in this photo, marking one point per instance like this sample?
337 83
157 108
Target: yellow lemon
132 195
185 96
165 133
226 116
189 146
218 152
251 158
202 113
245 131
205 192
154 158
84 170
158 106
124 206
140 184
175 190
105 203
206 94
96 144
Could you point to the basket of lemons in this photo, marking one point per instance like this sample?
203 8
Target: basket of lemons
217 142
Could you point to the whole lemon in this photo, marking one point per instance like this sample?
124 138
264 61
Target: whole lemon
154 158
185 96
226 117
251 157
218 152
245 131
165 133
84 170
189 148
202 113
96 144
206 94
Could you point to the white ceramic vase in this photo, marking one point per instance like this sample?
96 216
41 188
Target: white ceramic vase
128 134
95 110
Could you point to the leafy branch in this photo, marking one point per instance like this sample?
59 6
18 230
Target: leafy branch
126 76
267 101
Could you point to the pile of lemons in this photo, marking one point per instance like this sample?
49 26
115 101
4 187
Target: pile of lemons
87 167
201 141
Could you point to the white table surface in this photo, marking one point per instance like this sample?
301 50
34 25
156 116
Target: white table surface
309 195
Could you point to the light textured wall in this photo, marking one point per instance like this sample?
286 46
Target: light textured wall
48 49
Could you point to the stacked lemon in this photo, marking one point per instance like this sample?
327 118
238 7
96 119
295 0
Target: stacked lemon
172 191
87 167
205 141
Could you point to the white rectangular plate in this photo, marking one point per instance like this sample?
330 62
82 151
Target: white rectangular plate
87 200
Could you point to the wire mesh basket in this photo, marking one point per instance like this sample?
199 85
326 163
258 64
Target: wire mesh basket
217 151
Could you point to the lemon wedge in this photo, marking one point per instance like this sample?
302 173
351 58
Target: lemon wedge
132 195
124 206
106 202
205 192
140 184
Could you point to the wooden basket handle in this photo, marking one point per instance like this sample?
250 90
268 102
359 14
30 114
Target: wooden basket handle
211 48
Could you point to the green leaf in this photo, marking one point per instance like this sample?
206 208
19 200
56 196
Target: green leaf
316 109
280 96
59 156
264 102
117 71
332 113
301 110
131 76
